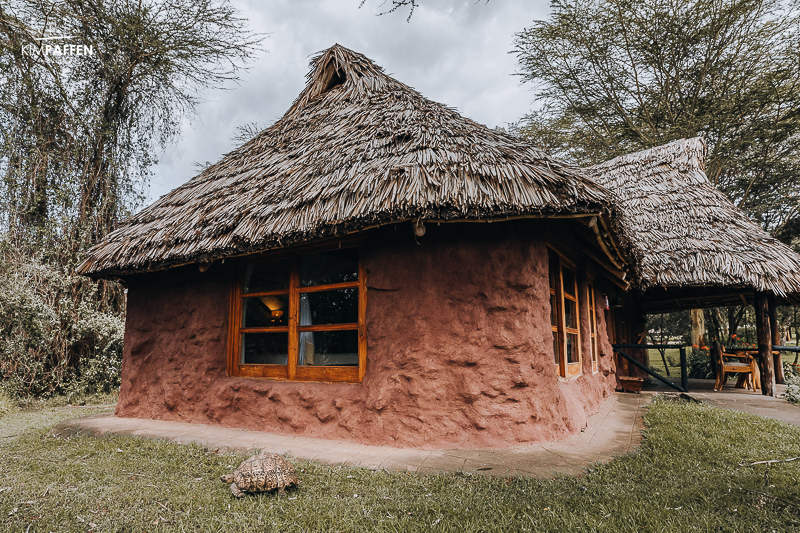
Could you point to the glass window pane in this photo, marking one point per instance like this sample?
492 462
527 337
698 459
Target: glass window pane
335 266
328 348
329 307
569 281
553 271
570 314
268 276
265 311
553 311
265 348
555 346
572 348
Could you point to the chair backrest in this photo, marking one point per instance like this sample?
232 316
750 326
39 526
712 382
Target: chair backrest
718 350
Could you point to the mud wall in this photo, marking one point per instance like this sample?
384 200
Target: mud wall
459 349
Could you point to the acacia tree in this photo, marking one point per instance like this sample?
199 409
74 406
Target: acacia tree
395 5
615 76
77 135
77 138
662 329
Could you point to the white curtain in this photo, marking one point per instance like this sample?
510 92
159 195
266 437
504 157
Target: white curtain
306 349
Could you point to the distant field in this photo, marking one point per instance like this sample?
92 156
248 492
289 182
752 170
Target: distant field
673 356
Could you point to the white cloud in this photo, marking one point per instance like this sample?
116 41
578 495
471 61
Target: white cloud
452 51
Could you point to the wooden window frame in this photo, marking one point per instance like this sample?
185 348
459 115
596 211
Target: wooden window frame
592 305
292 371
565 369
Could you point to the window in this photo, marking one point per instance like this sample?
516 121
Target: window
564 315
300 317
593 325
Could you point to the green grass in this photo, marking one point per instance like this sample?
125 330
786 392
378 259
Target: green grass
7 403
686 477
672 354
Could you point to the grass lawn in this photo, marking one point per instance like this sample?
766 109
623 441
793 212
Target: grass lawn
687 476
672 355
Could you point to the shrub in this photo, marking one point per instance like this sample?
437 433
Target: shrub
58 332
792 383
789 371
793 389
7 403
700 363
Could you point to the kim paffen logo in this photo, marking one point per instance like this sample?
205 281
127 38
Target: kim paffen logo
57 46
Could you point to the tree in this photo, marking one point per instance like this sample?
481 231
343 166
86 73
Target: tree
77 138
615 76
664 328
396 5
78 134
722 323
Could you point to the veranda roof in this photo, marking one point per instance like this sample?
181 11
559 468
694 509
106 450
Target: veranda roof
683 232
356 149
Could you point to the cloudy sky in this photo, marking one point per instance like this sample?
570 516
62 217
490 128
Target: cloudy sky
452 51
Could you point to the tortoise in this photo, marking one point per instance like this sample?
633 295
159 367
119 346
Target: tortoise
260 473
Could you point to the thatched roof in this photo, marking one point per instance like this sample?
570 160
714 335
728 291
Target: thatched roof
683 232
356 149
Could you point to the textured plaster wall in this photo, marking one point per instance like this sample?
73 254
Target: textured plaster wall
459 349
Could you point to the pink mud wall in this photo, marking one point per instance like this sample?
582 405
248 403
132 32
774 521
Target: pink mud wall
459 349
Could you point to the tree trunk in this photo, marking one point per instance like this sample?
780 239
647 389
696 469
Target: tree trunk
698 327
776 338
735 315
764 332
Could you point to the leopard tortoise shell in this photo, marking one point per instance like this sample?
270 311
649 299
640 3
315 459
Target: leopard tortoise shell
261 473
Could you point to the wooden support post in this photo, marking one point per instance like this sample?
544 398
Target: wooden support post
764 333
639 333
684 370
776 337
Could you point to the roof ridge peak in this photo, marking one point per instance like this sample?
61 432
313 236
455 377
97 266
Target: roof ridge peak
339 65
684 152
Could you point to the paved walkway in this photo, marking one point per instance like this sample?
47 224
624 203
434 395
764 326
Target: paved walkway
743 400
615 430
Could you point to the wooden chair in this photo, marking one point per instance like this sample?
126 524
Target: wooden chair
743 364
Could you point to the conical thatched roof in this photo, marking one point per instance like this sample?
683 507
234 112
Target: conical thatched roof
355 150
683 232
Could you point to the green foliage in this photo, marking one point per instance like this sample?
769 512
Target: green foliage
57 334
665 328
77 134
792 383
617 76
77 138
7 402
699 363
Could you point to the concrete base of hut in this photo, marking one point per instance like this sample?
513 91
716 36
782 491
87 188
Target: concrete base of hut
460 350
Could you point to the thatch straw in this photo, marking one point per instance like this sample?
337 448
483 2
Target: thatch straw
356 149
683 232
